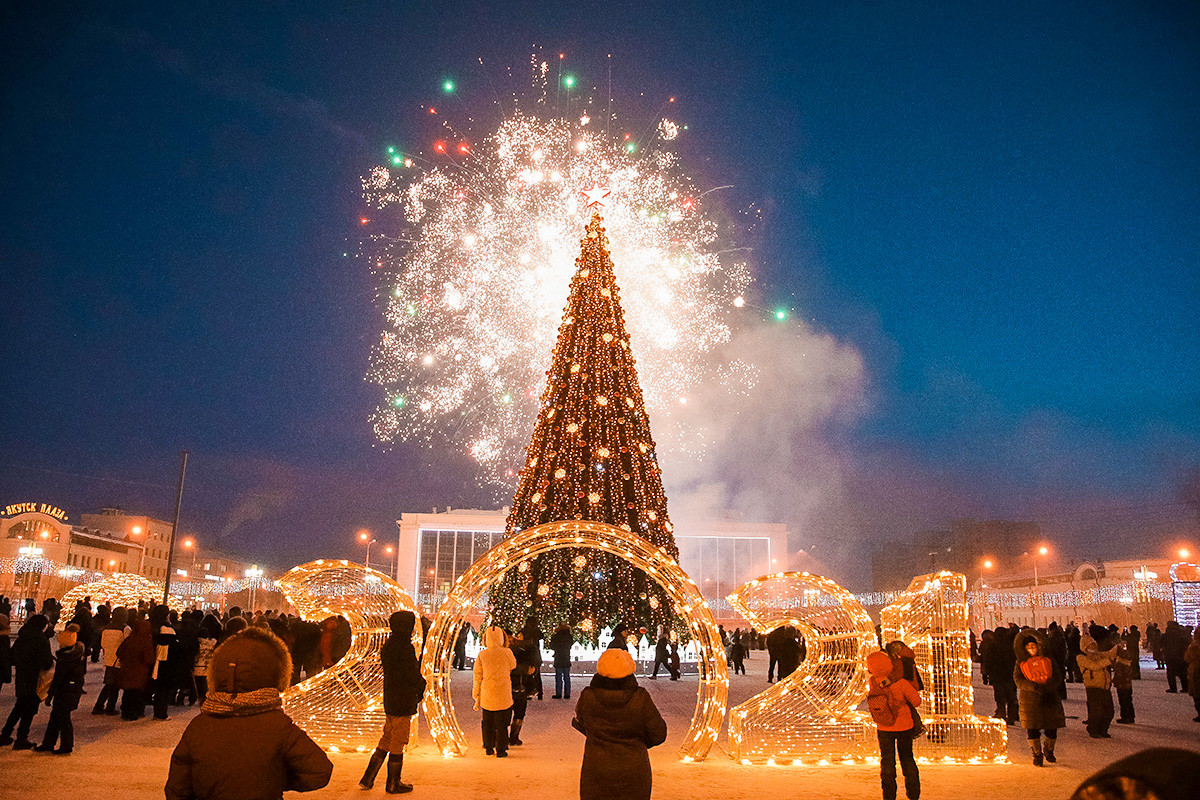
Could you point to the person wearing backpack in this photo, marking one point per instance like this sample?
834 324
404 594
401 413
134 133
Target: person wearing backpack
1038 679
891 702
1096 665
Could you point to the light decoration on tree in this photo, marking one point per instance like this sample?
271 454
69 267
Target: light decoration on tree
591 457
122 589
341 708
931 618
468 592
809 717
472 276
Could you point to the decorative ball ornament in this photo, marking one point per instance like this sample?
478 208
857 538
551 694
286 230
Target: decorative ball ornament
468 590
341 708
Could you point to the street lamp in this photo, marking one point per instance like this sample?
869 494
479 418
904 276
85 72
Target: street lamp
252 575
365 537
1033 599
391 560
136 530
1183 552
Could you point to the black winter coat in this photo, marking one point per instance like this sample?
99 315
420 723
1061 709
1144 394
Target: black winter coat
621 724
403 685
70 668
561 643
30 655
1039 704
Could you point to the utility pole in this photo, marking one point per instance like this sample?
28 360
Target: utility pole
175 526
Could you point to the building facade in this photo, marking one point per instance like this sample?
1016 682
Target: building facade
434 549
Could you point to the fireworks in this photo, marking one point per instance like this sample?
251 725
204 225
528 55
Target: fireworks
474 279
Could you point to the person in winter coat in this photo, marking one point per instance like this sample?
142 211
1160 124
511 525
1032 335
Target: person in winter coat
206 643
100 621
110 639
1133 648
459 661
70 668
1174 645
662 655
999 662
166 649
620 637
891 703
5 643
788 653
492 690
1038 678
1161 773
30 655
1192 658
560 643
403 687
523 684
137 658
242 744
1096 666
621 724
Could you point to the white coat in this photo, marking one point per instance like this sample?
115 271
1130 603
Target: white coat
492 688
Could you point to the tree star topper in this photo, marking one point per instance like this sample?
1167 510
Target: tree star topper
595 196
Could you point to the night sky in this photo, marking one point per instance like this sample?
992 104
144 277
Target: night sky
992 209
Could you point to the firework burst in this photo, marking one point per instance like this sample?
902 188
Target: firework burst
474 280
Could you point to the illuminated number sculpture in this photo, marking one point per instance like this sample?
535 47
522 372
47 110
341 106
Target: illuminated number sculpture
341 708
471 586
930 616
121 589
809 716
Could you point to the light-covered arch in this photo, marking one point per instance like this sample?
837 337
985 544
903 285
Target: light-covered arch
341 708
810 715
470 587
121 589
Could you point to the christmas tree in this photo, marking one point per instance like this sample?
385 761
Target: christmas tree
591 458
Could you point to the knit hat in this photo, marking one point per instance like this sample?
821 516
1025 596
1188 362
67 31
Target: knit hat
879 664
615 663
252 659
68 636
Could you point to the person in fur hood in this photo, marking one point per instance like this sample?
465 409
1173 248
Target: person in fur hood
492 690
621 724
242 744
1038 678
1096 666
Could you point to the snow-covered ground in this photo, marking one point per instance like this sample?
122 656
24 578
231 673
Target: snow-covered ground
117 760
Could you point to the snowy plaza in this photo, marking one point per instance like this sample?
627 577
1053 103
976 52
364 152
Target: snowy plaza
128 760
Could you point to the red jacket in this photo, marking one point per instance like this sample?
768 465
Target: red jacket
901 694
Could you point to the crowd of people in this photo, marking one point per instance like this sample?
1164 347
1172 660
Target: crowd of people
1101 658
154 658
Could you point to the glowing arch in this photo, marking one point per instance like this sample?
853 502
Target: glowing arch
341 708
809 715
120 589
470 587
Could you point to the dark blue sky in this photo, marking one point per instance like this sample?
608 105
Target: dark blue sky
997 205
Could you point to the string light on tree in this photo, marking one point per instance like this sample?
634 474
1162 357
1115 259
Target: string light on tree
591 457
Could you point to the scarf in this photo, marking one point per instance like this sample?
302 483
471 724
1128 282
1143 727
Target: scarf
244 704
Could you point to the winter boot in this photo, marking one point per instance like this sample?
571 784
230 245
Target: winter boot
394 785
1049 750
368 778
1036 746
514 733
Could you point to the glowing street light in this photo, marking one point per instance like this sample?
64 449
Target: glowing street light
1033 599
391 551
253 575
1183 552
365 537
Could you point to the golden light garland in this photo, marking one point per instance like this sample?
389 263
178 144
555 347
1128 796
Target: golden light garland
470 587
809 717
122 589
931 618
341 708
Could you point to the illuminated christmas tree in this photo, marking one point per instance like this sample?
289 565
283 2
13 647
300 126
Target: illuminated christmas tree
591 458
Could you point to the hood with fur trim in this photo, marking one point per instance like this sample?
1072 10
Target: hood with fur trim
252 659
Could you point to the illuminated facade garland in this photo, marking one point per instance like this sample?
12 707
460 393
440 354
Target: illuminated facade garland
931 618
467 593
341 708
808 717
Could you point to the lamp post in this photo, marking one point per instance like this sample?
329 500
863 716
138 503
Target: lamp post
365 536
391 551
1033 599
136 530
252 575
